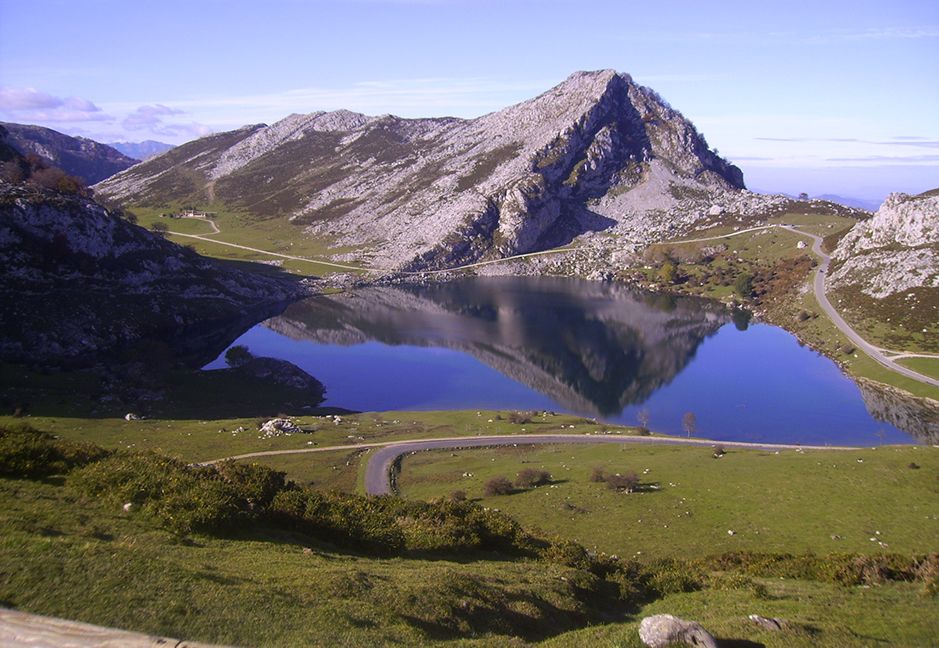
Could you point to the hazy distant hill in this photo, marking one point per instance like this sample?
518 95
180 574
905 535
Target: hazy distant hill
597 152
141 150
860 203
87 159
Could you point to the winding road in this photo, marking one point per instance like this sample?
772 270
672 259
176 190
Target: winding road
378 477
876 353
884 357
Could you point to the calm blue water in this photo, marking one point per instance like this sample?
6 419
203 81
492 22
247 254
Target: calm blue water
569 346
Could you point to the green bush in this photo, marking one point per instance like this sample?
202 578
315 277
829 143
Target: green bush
669 576
255 484
346 520
181 498
29 453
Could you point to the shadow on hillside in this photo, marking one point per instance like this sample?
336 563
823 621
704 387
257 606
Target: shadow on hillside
166 394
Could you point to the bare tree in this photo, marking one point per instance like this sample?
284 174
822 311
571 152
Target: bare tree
689 423
643 417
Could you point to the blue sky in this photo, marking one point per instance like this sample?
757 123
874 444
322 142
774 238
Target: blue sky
824 97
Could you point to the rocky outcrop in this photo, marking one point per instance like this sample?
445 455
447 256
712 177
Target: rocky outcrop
77 282
78 156
597 152
896 250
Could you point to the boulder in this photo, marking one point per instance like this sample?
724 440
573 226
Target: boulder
767 623
279 426
661 630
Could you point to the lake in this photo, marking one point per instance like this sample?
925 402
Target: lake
596 349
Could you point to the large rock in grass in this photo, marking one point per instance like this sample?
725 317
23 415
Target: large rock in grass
661 630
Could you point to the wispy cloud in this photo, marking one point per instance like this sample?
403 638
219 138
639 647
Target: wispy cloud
915 141
876 34
892 159
32 105
152 119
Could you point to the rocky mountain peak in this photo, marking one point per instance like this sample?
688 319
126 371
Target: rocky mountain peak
596 152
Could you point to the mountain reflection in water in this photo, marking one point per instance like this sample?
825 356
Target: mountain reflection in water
596 349
592 348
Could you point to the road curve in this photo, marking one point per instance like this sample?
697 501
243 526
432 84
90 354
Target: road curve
819 286
378 469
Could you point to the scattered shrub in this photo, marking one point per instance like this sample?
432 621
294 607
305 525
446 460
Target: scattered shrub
569 554
458 496
913 465
345 520
498 486
719 452
520 418
624 483
598 474
257 485
29 453
669 576
927 571
530 478
179 497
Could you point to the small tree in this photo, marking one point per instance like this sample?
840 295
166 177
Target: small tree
803 196
238 355
668 273
159 228
624 483
744 284
689 423
529 478
497 486
643 417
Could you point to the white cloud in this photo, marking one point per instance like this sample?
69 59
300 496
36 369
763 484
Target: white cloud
32 105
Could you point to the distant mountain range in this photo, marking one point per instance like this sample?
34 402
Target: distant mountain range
84 158
141 150
597 152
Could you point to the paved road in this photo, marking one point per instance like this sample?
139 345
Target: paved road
874 352
378 469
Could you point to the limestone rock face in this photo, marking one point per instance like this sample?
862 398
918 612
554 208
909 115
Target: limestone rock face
663 630
896 250
77 281
597 152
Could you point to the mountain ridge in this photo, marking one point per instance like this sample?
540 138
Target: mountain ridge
596 152
78 156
